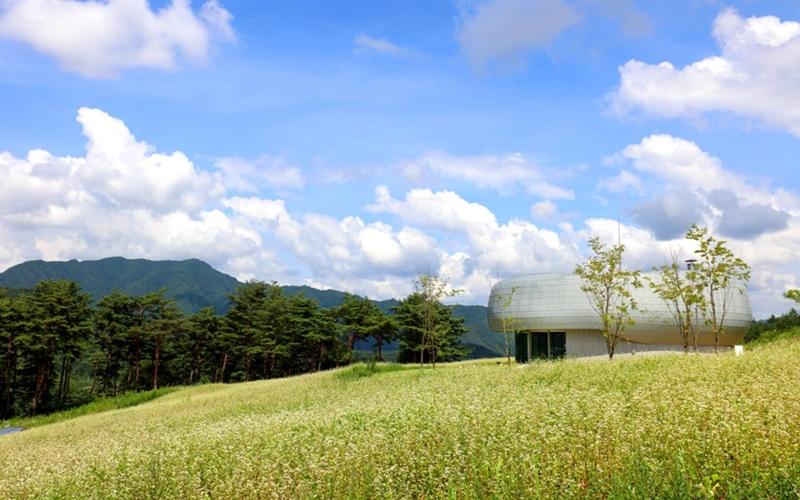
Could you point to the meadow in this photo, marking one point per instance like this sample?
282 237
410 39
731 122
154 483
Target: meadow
668 426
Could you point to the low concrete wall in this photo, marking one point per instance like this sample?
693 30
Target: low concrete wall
591 343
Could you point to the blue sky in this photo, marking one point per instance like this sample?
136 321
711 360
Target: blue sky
355 144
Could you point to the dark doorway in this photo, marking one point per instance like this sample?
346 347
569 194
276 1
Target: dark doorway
540 345
521 347
558 344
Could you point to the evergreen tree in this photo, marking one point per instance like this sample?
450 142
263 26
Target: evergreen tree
361 319
57 323
411 321
382 328
247 319
197 348
354 315
113 318
163 322
10 317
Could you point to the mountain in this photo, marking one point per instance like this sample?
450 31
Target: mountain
194 284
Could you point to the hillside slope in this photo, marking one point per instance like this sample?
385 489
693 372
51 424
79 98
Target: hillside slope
194 284
664 426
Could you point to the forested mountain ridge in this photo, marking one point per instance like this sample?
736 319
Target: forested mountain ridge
194 284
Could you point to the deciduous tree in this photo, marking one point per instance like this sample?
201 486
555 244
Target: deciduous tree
721 274
683 295
608 286
507 319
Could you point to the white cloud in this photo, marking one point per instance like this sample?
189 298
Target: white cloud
505 30
121 198
622 182
125 198
249 176
101 38
543 209
680 163
368 44
690 185
515 247
756 76
258 209
117 172
773 257
343 248
505 173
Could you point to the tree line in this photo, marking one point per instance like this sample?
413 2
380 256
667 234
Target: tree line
131 343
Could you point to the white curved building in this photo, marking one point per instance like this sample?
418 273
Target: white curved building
554 318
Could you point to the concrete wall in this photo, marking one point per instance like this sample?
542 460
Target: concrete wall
592 343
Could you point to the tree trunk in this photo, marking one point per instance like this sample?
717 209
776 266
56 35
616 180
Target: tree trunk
10 372
156 363
66 375
508 347
224 365
60 393
422 351
40 387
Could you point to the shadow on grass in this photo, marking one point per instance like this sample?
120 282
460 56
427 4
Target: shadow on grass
361 370
125 400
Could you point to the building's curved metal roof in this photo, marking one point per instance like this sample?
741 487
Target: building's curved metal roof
556 302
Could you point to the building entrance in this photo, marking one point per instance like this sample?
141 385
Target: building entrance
540 345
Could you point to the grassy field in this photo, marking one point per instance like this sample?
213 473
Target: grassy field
666 426
100 405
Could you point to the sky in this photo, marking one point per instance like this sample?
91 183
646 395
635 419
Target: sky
353 145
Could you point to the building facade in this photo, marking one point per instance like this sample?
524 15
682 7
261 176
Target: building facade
552 318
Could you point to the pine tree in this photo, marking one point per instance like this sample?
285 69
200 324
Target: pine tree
411 318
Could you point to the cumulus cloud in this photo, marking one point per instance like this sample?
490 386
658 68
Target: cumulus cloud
756 76
505 30
746 220
671 214
686 185
691 185
121 198
504 173
250 176
346 247
102 38
125 198
677 161
117 171
366 44
772 256
499 249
